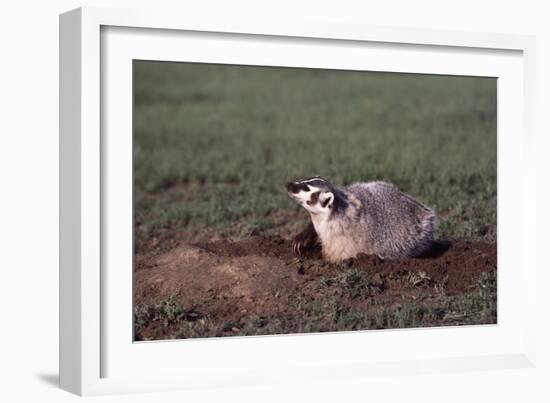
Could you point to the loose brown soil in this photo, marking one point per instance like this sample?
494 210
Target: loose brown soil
225 283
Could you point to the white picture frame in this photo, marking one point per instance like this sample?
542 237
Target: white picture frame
96 354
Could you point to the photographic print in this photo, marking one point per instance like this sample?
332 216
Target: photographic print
275 200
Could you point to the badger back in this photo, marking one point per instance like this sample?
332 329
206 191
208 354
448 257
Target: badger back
397 224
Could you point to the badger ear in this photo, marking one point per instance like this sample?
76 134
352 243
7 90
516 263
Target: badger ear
326 199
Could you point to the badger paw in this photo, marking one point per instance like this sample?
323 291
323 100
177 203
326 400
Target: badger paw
306 243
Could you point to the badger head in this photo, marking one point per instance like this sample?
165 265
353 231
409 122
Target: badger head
317 195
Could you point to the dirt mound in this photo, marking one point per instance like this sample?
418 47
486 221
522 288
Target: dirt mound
224 286
458 263
273 246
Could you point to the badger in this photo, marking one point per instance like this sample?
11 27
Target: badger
373 218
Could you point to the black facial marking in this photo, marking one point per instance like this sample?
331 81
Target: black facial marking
293 187
325 202
314 198
317 183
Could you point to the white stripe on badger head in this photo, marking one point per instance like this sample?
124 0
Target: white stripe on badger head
315 178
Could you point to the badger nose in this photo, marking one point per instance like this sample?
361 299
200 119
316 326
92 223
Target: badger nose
290 187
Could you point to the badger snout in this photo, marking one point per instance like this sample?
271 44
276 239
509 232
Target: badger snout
291 187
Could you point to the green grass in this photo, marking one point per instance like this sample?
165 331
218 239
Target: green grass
215 144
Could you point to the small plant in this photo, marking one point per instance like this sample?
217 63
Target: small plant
167 312
357 285
419 279
487 282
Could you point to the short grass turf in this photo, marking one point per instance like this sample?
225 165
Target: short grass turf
214 145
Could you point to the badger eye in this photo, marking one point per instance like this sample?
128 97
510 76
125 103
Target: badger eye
306 188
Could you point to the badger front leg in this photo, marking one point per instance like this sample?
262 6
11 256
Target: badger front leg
307 242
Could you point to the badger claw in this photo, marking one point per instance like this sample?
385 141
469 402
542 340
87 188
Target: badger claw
296 246
306 242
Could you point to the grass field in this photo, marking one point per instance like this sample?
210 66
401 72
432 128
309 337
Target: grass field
213 148
214 145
